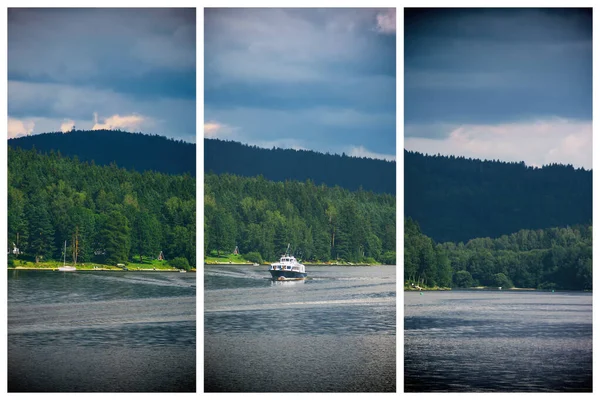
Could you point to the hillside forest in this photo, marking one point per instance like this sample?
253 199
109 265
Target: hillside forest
552 258
456 199
113 214
352 173
321 223
134 151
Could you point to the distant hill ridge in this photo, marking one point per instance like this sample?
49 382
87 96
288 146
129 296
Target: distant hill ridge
276 164
135 151
455 199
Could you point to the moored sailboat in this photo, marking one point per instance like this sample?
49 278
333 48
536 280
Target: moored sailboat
65 267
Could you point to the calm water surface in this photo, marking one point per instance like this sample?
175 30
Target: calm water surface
500 341
100 331
332 333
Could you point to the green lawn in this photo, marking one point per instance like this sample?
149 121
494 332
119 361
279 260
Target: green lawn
147 264
225 259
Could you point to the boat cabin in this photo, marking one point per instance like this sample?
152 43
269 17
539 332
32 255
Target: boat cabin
288 263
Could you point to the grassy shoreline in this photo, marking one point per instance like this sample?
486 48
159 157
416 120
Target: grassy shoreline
98 269
482 288
238 259
324 264
158 266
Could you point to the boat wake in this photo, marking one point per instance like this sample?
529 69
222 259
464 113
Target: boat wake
166 280
99 314
367 301
239 274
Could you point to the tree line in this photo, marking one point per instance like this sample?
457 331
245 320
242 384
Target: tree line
134 151
552 258
321 223
114 215
456 199
352 173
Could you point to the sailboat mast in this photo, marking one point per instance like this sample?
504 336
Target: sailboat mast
76 244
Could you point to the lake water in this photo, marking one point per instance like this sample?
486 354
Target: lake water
498 341
99 331
334 332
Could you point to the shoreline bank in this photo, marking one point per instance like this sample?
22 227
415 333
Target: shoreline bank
308 264
20 268
488 289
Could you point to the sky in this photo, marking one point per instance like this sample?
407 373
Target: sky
127 69
315 79
506 84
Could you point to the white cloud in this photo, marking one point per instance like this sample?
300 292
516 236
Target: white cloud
217 130
428 130
51 102
386 21
37 125
18 128
126 122
67 126
541 142
361 151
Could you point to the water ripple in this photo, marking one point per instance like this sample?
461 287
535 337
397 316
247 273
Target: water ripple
490 342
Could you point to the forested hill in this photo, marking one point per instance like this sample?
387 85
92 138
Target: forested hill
321 223
133 151
119 215
553 258
456 199
275 164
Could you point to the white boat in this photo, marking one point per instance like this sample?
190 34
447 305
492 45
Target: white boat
288 268
66 268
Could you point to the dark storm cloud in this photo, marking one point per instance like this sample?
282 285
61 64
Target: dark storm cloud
372 94
109 61
494 65
322 79
508 84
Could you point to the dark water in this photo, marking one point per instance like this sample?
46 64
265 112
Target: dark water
101 331
332 333
500 341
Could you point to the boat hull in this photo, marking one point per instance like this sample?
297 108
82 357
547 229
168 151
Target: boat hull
67 269
279 275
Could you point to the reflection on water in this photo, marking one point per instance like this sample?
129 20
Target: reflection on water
288 282
465 341
101 331
334 332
